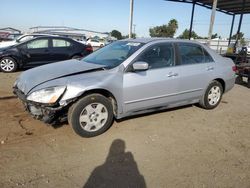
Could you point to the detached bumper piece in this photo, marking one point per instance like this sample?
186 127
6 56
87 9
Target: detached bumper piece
49 114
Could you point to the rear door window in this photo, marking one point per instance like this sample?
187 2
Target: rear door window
193 54
60 43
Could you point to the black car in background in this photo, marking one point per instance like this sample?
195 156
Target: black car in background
41 50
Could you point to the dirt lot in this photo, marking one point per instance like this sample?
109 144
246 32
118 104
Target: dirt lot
184 147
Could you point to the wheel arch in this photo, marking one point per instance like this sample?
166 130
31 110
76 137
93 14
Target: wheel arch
222 82
106 94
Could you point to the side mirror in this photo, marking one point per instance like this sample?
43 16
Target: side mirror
140 66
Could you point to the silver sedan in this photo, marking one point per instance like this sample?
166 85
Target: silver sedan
123 79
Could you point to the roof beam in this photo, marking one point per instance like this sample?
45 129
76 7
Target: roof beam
229 7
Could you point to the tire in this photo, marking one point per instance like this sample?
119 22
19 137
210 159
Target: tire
91 116
212 96
239 80
8 64
76 57
248 81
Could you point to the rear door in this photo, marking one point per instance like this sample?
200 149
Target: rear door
36 52
61 49
195 68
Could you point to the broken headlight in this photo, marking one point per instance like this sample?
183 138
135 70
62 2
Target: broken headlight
48 95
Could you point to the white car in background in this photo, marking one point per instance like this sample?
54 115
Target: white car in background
248 49
20 39
95 43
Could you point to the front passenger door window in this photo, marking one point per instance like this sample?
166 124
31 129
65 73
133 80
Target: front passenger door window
158 56
35 44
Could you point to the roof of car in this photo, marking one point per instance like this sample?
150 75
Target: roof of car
147 40
53 36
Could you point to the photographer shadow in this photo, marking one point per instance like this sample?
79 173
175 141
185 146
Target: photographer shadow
119 170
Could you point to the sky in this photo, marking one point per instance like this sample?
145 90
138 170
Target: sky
106 15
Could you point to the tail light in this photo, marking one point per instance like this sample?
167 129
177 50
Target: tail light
89 48
234 68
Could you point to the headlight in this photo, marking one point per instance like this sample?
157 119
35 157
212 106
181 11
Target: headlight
48 95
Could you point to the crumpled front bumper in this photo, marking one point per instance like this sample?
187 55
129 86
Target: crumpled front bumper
51 114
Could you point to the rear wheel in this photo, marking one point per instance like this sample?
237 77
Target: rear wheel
91 115
239 80
76 57
212 96
8 64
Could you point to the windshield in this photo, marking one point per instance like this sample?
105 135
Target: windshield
24 38
113 54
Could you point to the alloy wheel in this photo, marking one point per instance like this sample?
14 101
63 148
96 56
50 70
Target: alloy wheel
93 117
214 95
7 65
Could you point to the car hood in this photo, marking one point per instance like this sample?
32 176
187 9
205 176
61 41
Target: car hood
7 43
37 76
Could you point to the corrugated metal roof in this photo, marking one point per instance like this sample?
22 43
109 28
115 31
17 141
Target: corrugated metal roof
227 6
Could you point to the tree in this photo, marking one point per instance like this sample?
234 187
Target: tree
126 36
240 36
185 35
116 34
214 36
164 30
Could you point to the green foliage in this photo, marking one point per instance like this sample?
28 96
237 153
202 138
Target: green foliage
116 34
164 30
214 36
240 38
185 35
126 36
241 35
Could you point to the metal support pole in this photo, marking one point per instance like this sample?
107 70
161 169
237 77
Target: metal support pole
231 31
191 22
212 21
134 28
240 22
239 26
131 18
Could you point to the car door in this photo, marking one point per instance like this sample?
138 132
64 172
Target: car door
36 52
155 87
61 49
195 69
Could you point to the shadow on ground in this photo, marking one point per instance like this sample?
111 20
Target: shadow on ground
119 170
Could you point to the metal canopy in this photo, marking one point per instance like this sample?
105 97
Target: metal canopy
230 7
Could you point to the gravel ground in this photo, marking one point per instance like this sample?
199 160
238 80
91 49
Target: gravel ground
182 147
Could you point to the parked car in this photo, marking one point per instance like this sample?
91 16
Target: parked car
123 79
248 50
20 39
41 50
95 43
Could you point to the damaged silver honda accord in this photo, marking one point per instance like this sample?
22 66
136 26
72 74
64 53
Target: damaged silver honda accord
125 78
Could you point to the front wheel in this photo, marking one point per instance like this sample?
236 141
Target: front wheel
212 96
91 116
8 64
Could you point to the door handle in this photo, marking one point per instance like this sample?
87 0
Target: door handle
210 68
172 74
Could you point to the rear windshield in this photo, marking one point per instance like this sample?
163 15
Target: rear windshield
113 54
